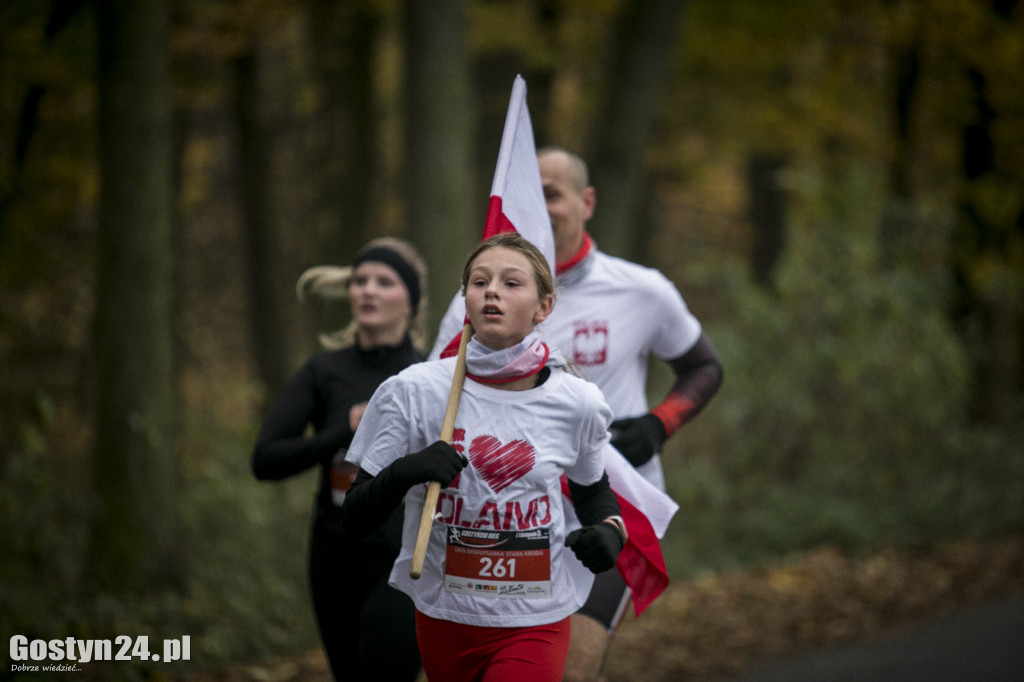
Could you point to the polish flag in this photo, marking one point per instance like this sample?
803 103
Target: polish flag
517 197
517 205
646 511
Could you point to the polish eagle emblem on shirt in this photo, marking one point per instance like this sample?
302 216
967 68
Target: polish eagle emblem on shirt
590 342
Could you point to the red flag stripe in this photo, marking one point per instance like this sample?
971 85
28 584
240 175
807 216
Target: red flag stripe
497 221
641 563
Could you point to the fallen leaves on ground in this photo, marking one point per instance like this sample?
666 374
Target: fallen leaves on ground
718 625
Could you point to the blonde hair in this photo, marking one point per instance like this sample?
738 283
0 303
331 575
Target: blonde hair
515 242
330 283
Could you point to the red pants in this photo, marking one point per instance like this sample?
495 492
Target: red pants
466 653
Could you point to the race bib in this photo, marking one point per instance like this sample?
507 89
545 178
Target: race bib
499 564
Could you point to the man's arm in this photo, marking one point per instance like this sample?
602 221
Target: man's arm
698 375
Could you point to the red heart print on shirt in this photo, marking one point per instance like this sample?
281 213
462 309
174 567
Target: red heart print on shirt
499 464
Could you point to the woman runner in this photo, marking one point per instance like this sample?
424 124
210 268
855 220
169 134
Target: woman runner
366 626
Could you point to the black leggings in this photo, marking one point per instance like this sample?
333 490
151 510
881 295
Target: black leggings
367 627
607 600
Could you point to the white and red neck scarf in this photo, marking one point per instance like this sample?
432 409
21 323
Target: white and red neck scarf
573 270
522 360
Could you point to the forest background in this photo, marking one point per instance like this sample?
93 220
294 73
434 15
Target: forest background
836 187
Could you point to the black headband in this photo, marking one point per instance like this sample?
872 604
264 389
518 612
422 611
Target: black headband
382 254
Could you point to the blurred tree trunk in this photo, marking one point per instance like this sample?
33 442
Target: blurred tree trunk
494 71
767 211
267 290
986 310
988 291
133 535
647 35
438 144
28 120
493 75
345 40
902 239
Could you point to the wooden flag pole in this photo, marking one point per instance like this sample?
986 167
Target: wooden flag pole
447 428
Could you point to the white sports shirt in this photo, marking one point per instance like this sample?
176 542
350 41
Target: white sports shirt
497 556
610 315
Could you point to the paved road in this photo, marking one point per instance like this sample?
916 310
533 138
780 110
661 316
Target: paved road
981 644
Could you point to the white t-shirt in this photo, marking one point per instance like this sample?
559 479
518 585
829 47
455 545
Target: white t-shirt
610 315
497 555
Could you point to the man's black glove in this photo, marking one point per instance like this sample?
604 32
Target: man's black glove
439 462
597 546
638 438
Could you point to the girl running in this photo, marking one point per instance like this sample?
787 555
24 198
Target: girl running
498 584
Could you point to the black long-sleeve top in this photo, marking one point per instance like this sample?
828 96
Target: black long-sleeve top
321 394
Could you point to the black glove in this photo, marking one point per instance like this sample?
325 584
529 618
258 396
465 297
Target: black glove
638 438
597 546
439 462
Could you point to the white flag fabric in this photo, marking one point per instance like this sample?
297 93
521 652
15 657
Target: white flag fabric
627 483
517 197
